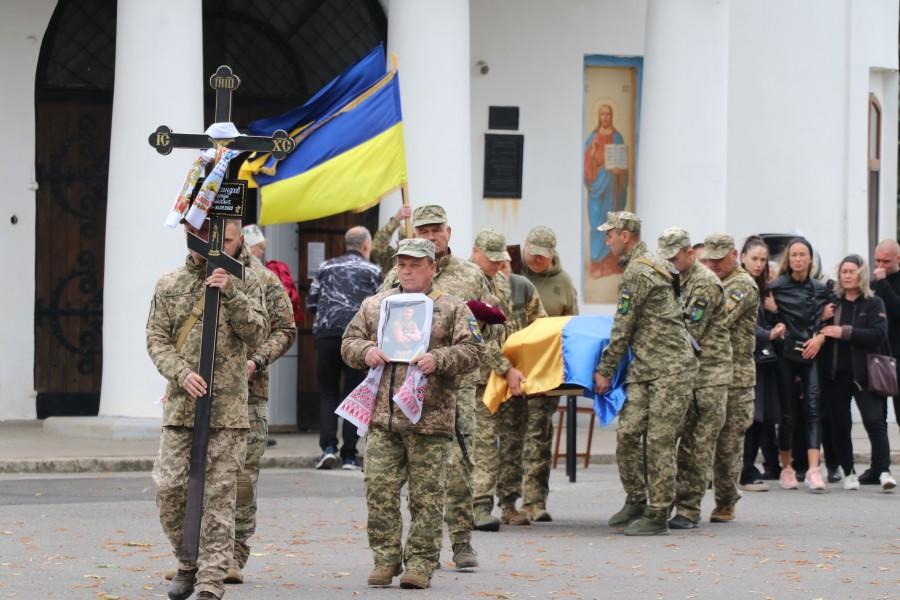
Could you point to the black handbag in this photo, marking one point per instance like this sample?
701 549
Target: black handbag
882 372
765 354
793 349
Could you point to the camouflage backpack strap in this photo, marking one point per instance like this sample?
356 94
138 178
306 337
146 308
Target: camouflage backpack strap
188 324
646 261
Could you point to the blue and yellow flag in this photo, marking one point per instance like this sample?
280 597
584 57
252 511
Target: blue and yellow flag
347 157
557 351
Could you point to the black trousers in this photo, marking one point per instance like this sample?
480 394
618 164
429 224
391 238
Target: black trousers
760 436
329 368
802 407
836 398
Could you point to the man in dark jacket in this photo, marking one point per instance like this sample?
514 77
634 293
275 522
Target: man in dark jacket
335 295
887 287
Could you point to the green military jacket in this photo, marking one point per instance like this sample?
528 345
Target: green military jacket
382 253
649 319
555 288
703 296
282 329
526 303
455 343
741 304
498 285
461 278
243 324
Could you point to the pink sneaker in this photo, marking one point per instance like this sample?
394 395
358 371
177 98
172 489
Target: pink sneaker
788 479
814 481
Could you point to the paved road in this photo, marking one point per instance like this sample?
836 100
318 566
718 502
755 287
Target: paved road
74 537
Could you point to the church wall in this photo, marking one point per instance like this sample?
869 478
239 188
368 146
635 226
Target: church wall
21 31
535 55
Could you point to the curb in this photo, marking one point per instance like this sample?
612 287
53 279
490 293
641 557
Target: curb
145 463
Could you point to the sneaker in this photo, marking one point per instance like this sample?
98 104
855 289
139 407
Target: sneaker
869 477
329 459
814 481
464 556
851 482
382 576
350 464
887 482
835 474
788 479
755 486
511 516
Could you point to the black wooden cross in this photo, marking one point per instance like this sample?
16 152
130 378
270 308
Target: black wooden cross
229 203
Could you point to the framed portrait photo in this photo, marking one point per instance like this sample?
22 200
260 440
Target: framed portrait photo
404 329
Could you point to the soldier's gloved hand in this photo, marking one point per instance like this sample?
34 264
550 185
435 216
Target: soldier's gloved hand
601 383
515 379
426 363
251 368
219 278
194 385
375 357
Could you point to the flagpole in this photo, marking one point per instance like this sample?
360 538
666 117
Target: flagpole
404 195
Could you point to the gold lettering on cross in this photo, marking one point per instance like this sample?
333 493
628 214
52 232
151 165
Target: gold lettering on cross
162 139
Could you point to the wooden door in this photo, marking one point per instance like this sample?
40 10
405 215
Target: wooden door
71 171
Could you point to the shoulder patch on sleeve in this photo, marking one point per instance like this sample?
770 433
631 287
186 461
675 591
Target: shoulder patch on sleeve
624 302
698 310
473 327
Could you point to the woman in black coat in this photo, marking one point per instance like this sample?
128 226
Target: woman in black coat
857 328
801 300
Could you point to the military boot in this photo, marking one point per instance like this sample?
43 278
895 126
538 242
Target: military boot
628 513
413 580
382 575
511 516
464 556
484 520
234 575
537 512
204 595
651 523
722 514
182 585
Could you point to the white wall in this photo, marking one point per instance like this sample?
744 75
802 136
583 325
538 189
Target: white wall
21 31
535 52
282 244
798 93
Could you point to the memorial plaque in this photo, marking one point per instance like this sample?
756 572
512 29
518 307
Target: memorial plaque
503 156
503 117
230 200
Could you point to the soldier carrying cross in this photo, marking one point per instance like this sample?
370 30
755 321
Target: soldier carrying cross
205 417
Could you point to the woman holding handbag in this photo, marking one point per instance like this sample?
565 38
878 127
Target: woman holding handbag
801 300
761 434
857 331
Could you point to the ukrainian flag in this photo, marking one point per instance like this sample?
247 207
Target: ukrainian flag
557 351
346 159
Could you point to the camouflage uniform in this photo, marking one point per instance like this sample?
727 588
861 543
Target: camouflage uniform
464 280
741 304
282 332
559 298
398 451
649 320
243 324
382 253
500 437
703 298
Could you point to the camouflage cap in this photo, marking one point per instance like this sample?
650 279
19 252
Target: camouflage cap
415 247
541 241
253 235
624 220
493 243
718 245
429 215
672 240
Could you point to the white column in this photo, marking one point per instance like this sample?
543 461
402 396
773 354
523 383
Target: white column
282 244
159 80
683 132
431 41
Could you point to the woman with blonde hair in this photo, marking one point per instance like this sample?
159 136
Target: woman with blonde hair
857 327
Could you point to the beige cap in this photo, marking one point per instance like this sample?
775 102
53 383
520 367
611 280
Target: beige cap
541 241
429 215
672 240
253 235
718 245
624 220
493 243
416 248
